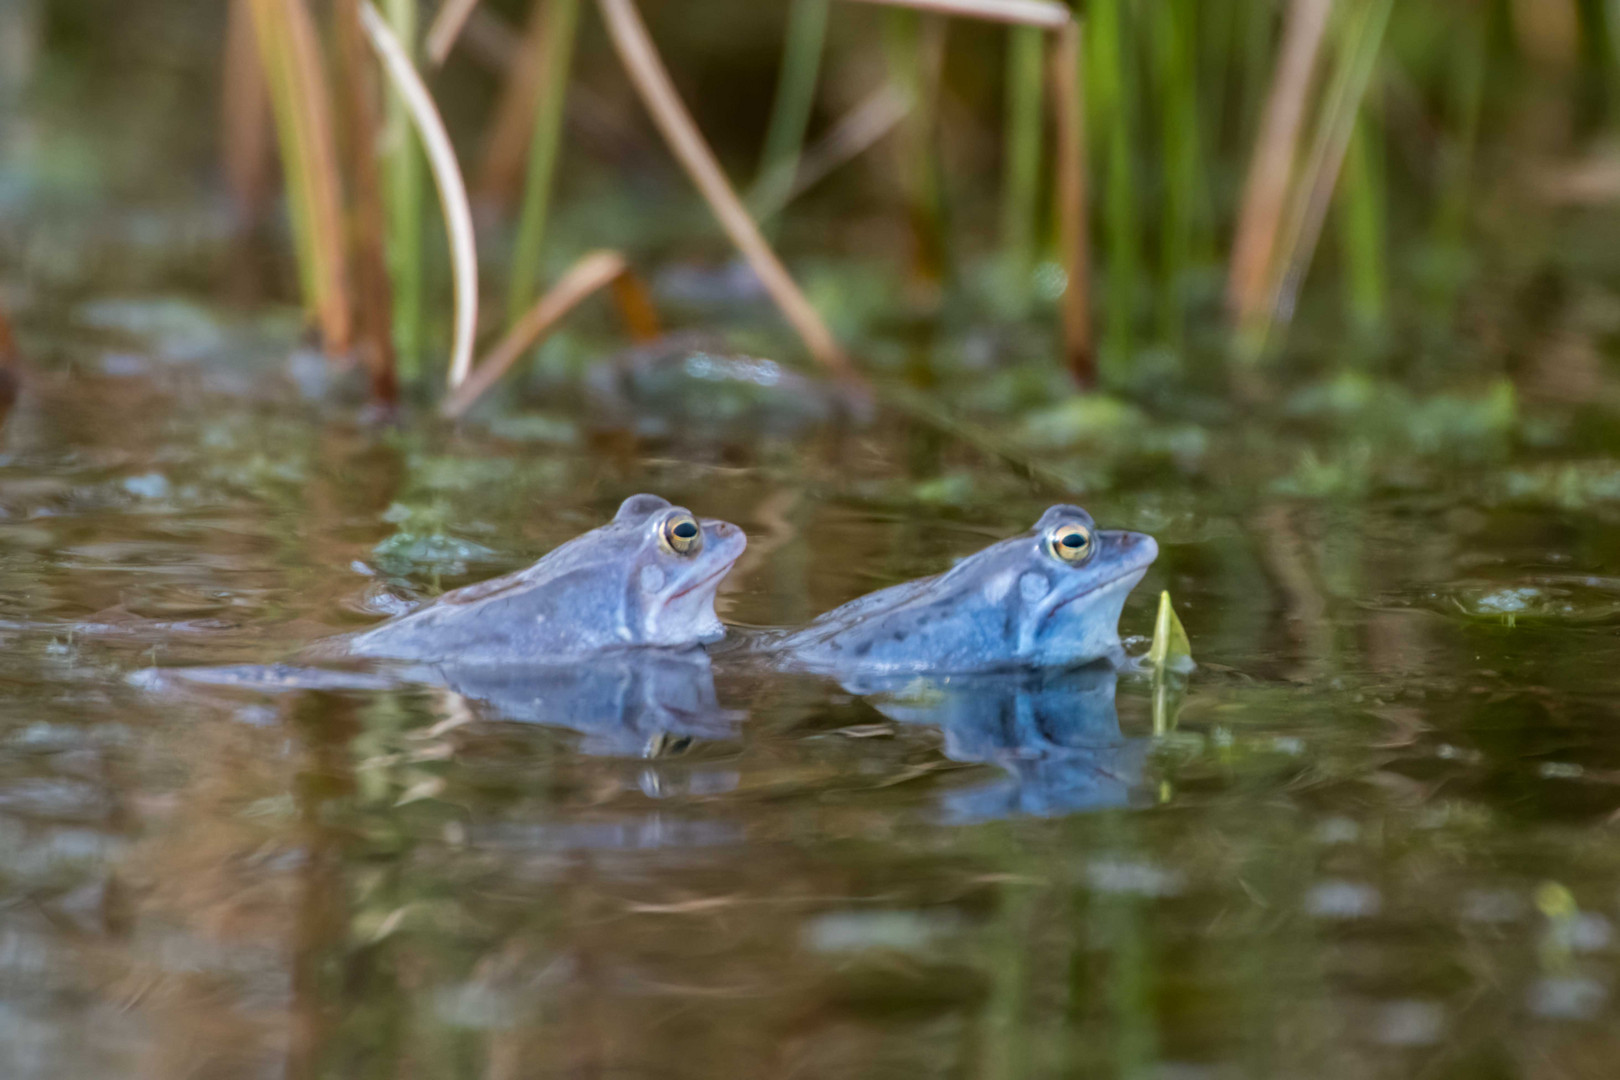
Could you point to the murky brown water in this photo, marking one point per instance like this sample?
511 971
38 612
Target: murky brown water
1373 836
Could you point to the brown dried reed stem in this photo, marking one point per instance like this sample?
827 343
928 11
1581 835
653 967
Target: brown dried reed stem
488 41
506 148
636 308
857 131
446 28
1319 174
1266 190
244 135
374 314
1074 245
652 82
590 273
491 43
10 368
8 342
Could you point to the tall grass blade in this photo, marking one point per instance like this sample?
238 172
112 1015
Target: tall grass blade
1361 46
404 179
1181 218
1361 228
458 221
1073 209
314 112
795 100
302 105
652 82
1255 47
269 30
1217 47
511 133
489 40
1021 184
1266 190
916 49
557 43
585 277
857 131
1109 98
1465 100
446 28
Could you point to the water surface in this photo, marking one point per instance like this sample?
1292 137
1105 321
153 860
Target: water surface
1373 834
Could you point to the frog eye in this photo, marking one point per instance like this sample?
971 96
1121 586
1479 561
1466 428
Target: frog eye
680 535
1070 543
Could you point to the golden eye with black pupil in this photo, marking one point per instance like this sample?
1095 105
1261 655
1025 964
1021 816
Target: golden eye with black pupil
680 534
1070 543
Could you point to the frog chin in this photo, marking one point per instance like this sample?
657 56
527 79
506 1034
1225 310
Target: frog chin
1085 627
684 614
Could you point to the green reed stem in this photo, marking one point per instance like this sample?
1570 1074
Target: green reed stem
1465 100
1362 223
1216 47
1109 99
1184 185
1596 27
914 48
403 176
790 113
557 52
1020 207
1256 50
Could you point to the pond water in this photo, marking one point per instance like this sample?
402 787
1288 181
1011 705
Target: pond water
1372 835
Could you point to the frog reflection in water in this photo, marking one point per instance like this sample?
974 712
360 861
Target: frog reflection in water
1049 598
646 578
1055 735
621 705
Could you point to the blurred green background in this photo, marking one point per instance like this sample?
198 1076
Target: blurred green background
1464 150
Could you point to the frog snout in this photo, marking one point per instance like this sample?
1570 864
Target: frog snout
728 535
1139 549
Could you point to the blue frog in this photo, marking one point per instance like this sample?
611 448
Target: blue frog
1048 598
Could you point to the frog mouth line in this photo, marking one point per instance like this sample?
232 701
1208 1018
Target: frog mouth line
1137 572
717 575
